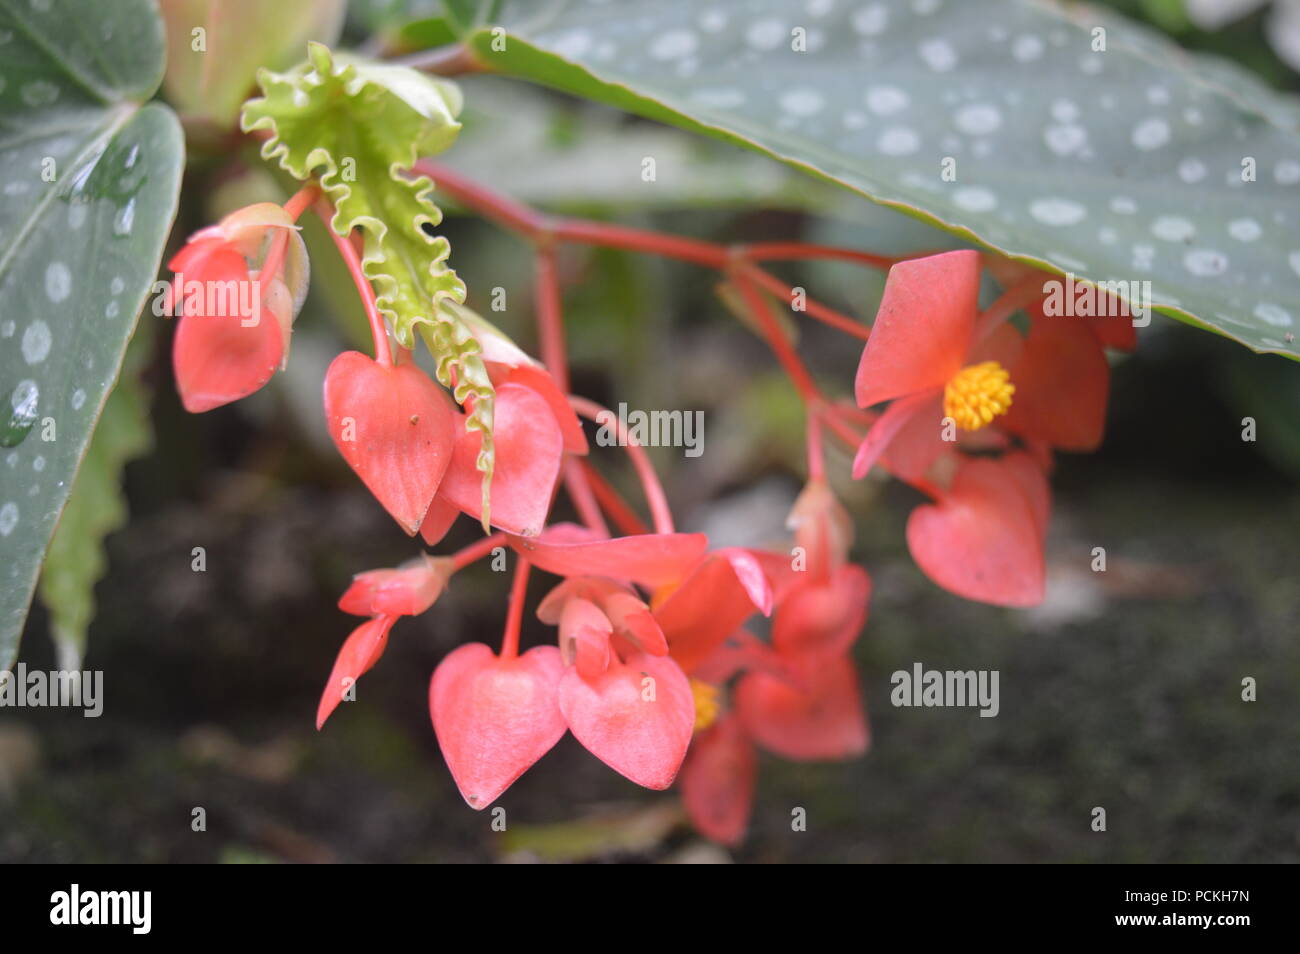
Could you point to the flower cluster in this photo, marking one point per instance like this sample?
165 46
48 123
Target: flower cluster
673 661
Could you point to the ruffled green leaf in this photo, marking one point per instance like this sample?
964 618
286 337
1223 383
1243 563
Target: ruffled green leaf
360 126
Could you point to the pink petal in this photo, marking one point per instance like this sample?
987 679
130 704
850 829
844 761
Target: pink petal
637 717
823 720
494 717
529 447
652 559
394 427
923 328
983 540
718 780
361 650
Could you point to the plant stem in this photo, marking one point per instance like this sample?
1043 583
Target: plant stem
378 330
550 320
760 251
776 340
612 501
816 309
607 235
654 491
478 198
477 550
584 500
515 613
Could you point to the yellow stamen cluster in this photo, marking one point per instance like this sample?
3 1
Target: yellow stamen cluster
976 394
706 704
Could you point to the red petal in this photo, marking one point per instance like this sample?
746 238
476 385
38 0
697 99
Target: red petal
1062 380
632 618
923 328
438 520
982 541
652 559
529 447
637 717
539 380
917 410
361 650
394 427
822 620
584 637
822 720
224 352
718 781
405 591
494 717
719 595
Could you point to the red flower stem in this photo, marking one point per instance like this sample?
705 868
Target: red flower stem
378 330
612 502
776 340
543 230
607 235
831 417
297 203
476 551
816 309
550 319
515 614
1007 304
789 251
301 200
584 499
816 456
654 492
502 210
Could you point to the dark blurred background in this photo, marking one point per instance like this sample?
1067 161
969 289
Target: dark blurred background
1123 690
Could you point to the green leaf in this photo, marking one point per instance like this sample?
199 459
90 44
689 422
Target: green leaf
561 136
360 126
96 507
209 73
1122 165
90 194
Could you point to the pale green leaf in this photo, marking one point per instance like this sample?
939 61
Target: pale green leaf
1122 164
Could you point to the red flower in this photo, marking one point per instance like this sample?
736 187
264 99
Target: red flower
938 363
495 716
236 320
395 427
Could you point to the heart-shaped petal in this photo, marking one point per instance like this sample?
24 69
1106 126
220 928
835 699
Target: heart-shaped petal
539 380
823 618
718 781
227 344
983 541
529 447
637 717
822 719
494 717
361 650
395 427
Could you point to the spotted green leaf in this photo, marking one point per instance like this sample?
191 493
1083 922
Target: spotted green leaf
96 507
360 126
1066 138
90 189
